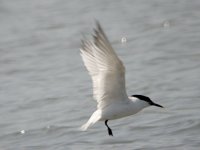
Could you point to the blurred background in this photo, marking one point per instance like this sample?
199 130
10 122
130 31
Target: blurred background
46 92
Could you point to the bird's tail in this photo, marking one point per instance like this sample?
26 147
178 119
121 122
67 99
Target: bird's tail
93 119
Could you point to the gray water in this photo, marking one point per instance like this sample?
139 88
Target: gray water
46 92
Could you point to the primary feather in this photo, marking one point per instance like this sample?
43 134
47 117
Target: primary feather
105 68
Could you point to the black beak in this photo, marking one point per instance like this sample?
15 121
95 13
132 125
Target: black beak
154 104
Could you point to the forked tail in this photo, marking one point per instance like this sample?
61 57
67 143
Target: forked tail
96 116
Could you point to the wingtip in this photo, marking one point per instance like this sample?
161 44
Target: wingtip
97 22
98 26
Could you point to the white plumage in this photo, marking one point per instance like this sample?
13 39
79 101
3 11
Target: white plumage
105 68
108 76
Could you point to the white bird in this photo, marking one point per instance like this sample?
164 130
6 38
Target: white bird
108 76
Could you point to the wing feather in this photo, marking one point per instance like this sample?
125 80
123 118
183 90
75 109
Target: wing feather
105 68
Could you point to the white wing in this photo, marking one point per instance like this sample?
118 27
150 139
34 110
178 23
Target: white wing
106 69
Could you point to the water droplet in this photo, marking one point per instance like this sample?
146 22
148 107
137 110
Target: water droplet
166 24
22 131
123 40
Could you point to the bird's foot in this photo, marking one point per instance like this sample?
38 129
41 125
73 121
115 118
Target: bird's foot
110 132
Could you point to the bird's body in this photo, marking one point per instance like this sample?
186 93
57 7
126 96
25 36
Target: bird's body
108 76
122 109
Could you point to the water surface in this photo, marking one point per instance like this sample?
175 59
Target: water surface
46 93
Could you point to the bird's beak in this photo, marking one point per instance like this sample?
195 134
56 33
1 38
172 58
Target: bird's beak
154 104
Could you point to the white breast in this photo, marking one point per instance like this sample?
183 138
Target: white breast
119 110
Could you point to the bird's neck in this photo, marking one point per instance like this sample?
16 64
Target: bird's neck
138 104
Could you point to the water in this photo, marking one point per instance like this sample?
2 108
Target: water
45 91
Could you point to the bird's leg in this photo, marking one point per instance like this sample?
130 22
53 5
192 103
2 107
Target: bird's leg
109 130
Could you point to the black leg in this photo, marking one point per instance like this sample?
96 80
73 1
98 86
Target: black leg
109 130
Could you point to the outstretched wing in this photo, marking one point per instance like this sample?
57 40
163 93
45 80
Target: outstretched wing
105 68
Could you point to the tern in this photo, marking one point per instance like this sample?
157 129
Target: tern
108 77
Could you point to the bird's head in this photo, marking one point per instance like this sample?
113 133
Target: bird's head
147 100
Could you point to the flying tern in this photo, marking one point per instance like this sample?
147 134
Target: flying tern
108 77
